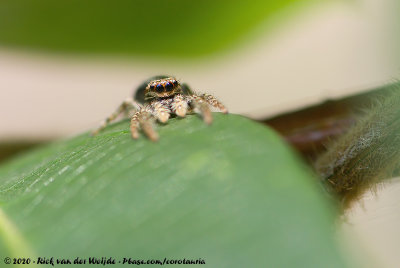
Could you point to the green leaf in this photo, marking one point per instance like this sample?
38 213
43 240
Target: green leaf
232 194
153 27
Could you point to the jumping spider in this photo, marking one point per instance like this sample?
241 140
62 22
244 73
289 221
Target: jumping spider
157 99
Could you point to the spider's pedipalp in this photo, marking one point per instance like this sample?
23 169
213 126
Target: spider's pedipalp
179 105
125 107
161 111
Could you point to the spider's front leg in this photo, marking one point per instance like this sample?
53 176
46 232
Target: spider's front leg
126 107
213 101
201 102
144 119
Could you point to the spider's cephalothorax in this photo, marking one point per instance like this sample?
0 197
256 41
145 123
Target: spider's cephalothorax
157 99
162 88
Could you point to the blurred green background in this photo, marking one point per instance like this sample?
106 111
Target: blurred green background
158 27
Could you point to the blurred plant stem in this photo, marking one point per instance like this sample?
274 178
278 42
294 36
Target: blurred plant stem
367 154
12 148
311 129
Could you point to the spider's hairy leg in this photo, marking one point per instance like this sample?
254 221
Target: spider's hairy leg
201 106
125 107
161 111
143 119
179 105
135 125
213 101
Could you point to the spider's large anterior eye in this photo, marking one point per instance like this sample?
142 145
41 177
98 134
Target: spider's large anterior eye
159 88
169 86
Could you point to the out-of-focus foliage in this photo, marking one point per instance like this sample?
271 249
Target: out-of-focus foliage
153 27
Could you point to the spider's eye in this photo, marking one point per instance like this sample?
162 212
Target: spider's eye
151 87
169 86
159 88
175 83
